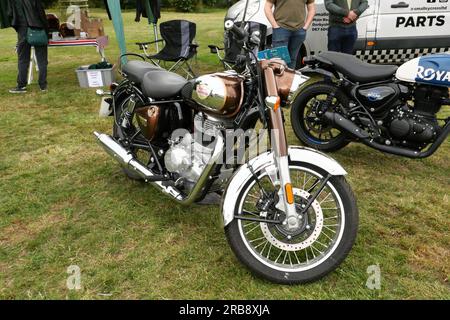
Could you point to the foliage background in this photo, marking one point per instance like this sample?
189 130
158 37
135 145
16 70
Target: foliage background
178 5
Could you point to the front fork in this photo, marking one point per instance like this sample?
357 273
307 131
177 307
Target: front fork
280 150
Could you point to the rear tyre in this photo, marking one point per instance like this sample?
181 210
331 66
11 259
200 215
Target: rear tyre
302 256
120 134
308 127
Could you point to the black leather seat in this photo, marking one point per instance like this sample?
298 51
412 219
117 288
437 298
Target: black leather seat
357 70
162 84
135 70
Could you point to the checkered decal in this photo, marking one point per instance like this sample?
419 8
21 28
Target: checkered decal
393 56
396 56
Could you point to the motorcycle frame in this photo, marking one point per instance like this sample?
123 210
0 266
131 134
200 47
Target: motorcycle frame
161 182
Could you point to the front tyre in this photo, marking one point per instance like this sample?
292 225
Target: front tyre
326 233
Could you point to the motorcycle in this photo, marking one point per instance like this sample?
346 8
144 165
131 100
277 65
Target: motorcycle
288 213
390 109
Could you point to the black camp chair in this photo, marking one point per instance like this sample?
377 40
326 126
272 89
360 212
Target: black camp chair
179 48
233 47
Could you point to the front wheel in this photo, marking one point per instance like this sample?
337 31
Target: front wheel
323 239
308 125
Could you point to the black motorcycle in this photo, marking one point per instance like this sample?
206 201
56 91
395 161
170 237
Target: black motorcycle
391 109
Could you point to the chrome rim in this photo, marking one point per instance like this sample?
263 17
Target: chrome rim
318 236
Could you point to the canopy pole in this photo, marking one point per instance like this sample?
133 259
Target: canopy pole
116 16
155 31
152 20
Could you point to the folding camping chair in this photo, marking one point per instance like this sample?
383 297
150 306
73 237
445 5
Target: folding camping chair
233 47
178 37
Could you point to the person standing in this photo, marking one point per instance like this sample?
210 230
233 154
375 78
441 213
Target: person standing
290 21
342 32
24 14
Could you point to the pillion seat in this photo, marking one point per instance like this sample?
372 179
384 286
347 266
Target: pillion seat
355 69
162 84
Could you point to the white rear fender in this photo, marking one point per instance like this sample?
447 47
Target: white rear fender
266 162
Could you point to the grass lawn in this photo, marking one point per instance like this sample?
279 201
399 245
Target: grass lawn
64 202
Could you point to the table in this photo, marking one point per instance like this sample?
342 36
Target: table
100 43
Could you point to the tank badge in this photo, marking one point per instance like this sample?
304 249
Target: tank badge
434 69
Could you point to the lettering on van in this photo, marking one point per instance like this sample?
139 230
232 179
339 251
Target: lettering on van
420 21
430 74
321 22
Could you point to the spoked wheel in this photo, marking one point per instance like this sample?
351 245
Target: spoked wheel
323 238
308 125
131 133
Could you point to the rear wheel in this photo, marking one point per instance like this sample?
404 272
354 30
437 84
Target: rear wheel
309 127
122 135
325 235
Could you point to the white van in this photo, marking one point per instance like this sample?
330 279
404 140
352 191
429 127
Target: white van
390 31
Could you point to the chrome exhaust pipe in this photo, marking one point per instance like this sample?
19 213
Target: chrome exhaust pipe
124 157
127 160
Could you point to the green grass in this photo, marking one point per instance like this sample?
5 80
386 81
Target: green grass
64 202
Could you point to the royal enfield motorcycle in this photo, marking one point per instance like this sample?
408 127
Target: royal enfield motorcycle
390 109
289 214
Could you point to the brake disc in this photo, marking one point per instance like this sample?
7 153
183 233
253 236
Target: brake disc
292 245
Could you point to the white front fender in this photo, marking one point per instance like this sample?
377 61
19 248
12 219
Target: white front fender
265 160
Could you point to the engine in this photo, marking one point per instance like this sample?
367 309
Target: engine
412 127
187 158
418 124
189 154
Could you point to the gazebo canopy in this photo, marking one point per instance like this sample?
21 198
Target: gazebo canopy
115 14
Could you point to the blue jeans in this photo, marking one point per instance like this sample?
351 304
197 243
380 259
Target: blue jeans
291 39
342 39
